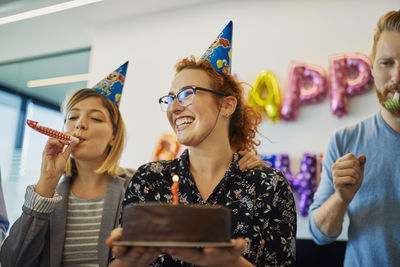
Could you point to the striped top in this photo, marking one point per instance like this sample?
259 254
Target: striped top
82 231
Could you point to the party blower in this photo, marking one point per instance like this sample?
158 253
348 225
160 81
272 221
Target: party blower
51 132
393 104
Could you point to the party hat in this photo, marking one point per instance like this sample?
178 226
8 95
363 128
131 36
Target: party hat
219 52
111 86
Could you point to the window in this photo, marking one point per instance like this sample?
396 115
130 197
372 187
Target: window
9 109
21 147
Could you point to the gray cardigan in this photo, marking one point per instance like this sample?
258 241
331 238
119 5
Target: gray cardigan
37 239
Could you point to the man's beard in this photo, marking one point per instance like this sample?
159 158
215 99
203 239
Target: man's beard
383 97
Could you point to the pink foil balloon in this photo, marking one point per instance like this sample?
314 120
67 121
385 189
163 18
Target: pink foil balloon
350 75
307 85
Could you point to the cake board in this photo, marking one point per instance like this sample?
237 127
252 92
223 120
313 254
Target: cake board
173 244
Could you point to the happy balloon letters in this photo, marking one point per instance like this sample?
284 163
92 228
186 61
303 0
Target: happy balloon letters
349 75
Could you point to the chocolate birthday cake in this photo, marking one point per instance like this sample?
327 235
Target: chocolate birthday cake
155 222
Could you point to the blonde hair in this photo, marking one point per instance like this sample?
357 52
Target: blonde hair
244 121
110 164
390 22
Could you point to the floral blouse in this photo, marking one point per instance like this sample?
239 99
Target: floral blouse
262 205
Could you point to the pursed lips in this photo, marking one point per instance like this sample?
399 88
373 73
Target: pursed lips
81 139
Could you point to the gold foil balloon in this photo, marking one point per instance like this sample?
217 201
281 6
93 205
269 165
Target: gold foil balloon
265 94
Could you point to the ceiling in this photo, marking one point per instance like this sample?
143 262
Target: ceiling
114 9
58 44
15 75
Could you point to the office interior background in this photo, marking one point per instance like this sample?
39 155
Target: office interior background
87 42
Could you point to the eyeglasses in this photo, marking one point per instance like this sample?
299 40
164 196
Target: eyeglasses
184 97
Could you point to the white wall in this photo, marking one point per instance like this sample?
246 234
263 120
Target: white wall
267 35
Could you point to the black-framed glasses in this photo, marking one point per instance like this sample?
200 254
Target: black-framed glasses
184 97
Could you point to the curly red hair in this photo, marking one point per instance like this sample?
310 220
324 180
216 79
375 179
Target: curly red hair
245 120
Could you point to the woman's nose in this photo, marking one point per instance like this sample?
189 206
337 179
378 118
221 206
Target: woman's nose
81 124
175 106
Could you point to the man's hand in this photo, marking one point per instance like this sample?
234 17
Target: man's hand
348 174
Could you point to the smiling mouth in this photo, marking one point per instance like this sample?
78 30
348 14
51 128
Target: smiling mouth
182 123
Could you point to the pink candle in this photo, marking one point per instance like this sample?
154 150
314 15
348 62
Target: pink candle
175 189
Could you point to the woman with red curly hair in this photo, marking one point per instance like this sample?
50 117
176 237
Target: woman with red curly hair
244 120
206 110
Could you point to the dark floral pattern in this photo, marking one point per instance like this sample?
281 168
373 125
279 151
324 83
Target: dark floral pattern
262 205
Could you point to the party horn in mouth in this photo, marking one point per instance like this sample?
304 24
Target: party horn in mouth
393 104
51 132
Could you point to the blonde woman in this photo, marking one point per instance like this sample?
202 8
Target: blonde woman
76 203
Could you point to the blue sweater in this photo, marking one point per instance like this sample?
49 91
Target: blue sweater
374 212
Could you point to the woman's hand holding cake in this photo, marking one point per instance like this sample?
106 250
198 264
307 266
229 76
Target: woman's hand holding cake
212 256
130 256
208 256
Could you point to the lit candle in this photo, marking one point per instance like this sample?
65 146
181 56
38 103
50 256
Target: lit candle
175 189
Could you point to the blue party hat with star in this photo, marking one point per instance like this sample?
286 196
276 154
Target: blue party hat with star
112 85
220 51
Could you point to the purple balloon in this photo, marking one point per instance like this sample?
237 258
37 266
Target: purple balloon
302 183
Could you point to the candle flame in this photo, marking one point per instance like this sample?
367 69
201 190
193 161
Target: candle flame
175 178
